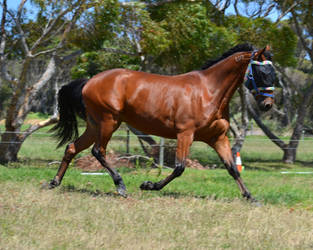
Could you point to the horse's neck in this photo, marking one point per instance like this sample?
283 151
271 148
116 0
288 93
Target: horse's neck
228 75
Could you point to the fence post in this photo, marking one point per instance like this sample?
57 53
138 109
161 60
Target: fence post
161 155
127 141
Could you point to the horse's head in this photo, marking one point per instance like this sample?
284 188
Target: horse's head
260 78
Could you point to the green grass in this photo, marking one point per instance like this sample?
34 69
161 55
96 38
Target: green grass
270 187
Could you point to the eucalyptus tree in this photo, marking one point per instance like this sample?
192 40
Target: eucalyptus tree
295 16
27 38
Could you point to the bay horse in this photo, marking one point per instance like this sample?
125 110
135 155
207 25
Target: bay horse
187 107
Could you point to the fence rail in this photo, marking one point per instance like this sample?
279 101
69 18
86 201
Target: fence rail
304 138
41 145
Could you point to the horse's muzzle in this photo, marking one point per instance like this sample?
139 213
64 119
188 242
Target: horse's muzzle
266 104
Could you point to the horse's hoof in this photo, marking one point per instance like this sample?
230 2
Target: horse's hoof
122 192
147 185
53 184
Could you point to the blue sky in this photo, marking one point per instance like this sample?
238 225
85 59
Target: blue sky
12 4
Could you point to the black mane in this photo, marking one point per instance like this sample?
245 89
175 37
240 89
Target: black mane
238 48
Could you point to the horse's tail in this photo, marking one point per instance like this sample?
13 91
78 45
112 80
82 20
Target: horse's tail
70 104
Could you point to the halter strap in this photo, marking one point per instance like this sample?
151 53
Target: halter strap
250 78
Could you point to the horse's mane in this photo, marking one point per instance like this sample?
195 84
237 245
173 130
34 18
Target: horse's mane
238 48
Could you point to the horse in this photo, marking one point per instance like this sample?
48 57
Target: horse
188 107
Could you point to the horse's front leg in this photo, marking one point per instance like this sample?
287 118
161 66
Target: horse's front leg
184 141
222 147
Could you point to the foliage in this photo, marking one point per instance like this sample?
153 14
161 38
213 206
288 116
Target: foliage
96 26
262 32
194 38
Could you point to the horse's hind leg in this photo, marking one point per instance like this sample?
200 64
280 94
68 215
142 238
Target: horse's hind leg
106 129
184 141
72 149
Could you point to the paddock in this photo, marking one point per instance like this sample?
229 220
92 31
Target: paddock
202 209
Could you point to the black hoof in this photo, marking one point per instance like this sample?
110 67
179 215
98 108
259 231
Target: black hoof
148 185
122 192
53 184
252 200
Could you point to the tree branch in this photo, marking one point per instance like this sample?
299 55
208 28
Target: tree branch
264 128
43 52
20 30
119 51
3 71
53 119
300 35
50 27
284 13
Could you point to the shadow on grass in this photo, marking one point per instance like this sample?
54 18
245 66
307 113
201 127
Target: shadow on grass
272 165
169 194
96 193
177 195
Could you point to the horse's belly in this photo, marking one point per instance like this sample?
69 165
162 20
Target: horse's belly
150 124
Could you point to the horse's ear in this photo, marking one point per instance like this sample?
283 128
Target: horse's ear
261 51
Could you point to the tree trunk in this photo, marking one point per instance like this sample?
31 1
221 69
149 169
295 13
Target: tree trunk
11 141
290 150
9 147
240 132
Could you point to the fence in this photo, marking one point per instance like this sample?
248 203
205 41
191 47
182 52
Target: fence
255 148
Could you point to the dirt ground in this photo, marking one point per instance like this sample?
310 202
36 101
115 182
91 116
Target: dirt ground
90 163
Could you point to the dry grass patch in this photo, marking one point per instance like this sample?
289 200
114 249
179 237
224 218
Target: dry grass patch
57 219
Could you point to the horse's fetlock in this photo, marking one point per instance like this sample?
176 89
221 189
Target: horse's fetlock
54 183
179 169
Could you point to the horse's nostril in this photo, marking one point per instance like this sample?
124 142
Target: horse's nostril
267 106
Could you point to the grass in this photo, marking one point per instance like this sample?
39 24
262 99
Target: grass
271 187
65 218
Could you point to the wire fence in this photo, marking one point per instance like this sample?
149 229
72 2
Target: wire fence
117 136
129 144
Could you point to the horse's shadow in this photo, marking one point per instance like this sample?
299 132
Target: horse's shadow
169 194
93 193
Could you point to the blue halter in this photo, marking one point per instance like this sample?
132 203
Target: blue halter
249 78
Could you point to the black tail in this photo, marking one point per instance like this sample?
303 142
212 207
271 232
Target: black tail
70 104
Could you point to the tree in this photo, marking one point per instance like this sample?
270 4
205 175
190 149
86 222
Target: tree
299 16
43 38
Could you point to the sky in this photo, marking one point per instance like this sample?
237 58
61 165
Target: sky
12 4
